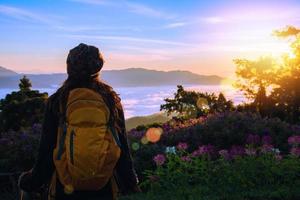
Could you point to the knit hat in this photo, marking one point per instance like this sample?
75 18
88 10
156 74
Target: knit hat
84 61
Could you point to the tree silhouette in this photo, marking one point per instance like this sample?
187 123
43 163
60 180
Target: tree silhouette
191 104
23 108
287 94
25 84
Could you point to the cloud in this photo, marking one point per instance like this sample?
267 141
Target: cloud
130 39
212 20
193 21
94 2
176 25
137 8
23 14
146 11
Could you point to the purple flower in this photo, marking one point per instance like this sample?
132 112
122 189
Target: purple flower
237 151
159 159
4 141
267 148
207 149
294 140
204 150
137 134
36 128
224 154
196 153
278 157
186 158
267 139
250 151
253 139
182 146
23 136
295 151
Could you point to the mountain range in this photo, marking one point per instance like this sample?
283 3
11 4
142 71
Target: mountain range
131 77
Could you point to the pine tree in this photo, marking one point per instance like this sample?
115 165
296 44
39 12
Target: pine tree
25 84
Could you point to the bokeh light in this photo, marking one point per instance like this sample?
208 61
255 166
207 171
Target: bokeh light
69 189
144 140
202 103
135 146
153 134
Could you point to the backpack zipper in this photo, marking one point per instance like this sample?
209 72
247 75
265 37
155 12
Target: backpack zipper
82 100
72 146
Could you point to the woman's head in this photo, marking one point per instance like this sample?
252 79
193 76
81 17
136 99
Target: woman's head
83 65
84 61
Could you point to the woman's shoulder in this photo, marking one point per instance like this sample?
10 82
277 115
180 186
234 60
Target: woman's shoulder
53 101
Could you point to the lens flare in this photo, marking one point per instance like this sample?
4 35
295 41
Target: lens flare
68 189
144 140
135 146
153 134
202 103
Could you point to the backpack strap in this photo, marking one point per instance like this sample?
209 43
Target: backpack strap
63 128
114 132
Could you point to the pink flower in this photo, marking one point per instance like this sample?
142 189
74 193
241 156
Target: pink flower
224 154
159 159
250 151
182 146
295 151
186 158
267 139
294 140
204 150
253 139
237 151
196 153
267 148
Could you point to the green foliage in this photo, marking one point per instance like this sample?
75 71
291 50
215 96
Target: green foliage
22 108
249 177
191 104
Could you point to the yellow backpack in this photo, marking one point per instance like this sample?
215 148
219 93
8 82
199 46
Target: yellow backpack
88 148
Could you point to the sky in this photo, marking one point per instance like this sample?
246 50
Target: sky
199 36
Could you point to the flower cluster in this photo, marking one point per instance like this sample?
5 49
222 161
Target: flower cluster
207 150
236 151
159 159
294 141
182 146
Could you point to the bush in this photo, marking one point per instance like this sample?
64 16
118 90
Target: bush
18 150
260 175
220 130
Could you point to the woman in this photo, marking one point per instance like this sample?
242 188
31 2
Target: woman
84 63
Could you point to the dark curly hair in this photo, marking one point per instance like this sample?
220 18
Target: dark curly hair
83 65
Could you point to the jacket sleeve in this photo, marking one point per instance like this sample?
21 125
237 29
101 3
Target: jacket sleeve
125 173
44 166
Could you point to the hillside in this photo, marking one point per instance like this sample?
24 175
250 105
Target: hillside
144 120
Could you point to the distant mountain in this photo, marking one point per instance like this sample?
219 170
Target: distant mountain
131 77
6 72
145 77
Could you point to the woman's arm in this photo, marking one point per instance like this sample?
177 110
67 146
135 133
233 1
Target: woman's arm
126 175
44 166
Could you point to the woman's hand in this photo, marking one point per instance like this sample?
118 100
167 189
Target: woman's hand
24 180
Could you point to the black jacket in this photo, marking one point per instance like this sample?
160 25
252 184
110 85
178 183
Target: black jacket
44 166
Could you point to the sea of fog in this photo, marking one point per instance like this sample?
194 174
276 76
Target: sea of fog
141 101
